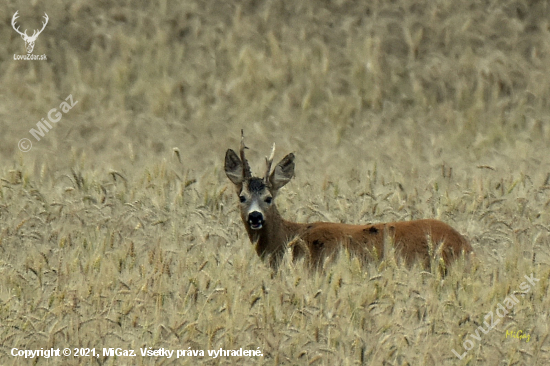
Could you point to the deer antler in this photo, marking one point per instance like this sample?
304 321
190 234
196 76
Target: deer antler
43 26
246 168
13 24
35 33
268 162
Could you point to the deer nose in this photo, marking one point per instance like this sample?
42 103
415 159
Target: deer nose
255 220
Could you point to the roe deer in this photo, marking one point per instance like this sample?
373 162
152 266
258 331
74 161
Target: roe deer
419 240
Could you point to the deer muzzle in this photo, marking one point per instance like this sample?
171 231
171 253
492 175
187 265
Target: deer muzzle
255 220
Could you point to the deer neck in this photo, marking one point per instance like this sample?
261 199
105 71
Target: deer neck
271 240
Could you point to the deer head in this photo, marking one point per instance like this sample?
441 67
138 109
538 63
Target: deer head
29 41
256 194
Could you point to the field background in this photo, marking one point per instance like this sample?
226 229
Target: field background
120 229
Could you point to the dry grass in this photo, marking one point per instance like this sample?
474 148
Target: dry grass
396 110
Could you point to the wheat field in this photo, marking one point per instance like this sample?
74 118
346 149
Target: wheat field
119 229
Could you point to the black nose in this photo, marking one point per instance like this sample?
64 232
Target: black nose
255 219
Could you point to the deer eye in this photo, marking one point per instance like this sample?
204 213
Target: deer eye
242 198
268 200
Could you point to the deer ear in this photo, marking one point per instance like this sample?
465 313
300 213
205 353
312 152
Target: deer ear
283 172
233 167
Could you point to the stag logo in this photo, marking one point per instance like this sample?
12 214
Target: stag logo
29 41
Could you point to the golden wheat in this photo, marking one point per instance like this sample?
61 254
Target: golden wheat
118 228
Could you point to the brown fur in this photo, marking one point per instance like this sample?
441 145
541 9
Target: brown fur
320 240
419 240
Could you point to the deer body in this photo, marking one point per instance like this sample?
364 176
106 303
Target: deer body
416 240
